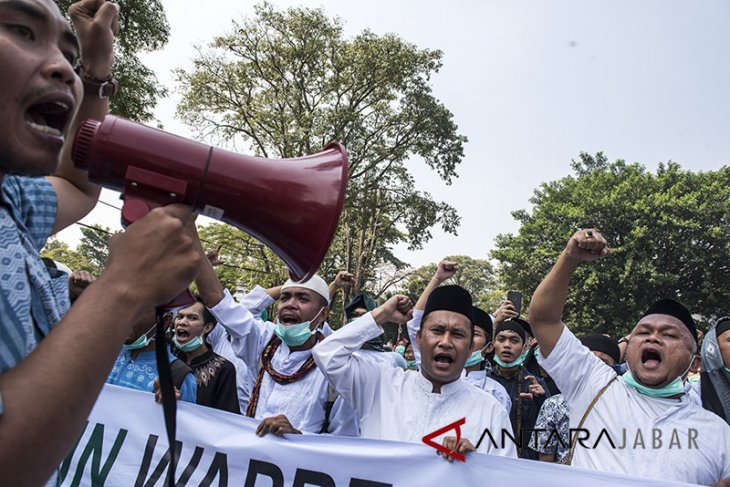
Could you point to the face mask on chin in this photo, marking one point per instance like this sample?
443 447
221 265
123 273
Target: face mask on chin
190 346
672 389
141 342
296 335
477 357
507 365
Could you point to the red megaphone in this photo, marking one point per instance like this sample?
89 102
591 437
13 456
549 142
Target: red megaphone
291 205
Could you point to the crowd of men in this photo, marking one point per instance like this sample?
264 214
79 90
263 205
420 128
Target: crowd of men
64 336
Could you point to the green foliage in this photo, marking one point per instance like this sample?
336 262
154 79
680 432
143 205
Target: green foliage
288 82
247 262
94 247
474 275
668 231
61 252
143 27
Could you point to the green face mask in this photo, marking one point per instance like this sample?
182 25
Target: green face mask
296 335
507 365
193 344
401 349
411 364
140 342
474 359
525 354
672 389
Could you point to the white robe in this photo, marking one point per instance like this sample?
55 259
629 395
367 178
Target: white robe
394 404
658 432
303 401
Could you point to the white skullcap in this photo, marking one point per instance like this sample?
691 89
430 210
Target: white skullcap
315 283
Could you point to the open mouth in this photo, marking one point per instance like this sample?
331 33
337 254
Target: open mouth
49 117
288 319
182 333
651 358
443 360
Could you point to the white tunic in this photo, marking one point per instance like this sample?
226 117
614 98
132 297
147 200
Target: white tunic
303 401
394 404
667 439
477 378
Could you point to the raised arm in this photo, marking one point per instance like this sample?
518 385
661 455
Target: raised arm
246 331
96 23
548 301
342 280
357 380
445 270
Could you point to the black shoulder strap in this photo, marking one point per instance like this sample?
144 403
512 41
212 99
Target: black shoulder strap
179 370
331 397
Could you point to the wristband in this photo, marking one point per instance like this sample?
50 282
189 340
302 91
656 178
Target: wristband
103 88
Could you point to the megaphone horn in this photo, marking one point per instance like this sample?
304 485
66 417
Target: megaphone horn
290 205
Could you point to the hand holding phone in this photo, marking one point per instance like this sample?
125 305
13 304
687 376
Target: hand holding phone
515 297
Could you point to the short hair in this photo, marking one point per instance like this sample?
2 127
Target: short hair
207 315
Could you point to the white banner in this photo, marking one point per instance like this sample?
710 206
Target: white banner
124 444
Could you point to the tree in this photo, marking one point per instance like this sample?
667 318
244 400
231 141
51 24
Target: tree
94 247
143 27
247 262
287 82
474 275
61 252
668 231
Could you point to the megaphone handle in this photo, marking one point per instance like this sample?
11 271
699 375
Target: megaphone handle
132 210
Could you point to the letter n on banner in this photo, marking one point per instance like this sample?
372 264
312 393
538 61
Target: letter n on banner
92 449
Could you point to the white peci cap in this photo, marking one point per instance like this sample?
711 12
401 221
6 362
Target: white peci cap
314 283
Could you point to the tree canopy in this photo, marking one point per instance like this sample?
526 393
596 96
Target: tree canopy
287 82
669 233
143 27
474 275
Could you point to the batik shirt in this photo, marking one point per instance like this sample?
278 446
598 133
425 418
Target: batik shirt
32 298
555 420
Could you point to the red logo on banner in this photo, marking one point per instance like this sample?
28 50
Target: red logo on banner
456 425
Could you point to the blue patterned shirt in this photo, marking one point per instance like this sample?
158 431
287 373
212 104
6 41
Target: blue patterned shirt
33 298
140 373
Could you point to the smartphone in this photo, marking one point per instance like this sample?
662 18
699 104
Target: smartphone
516 298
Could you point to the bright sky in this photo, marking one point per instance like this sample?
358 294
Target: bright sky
531 84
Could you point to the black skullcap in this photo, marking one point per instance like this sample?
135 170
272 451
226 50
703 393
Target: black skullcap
671 307
483 321
449 298
722 325
524 324
601 343
362 300
511 325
